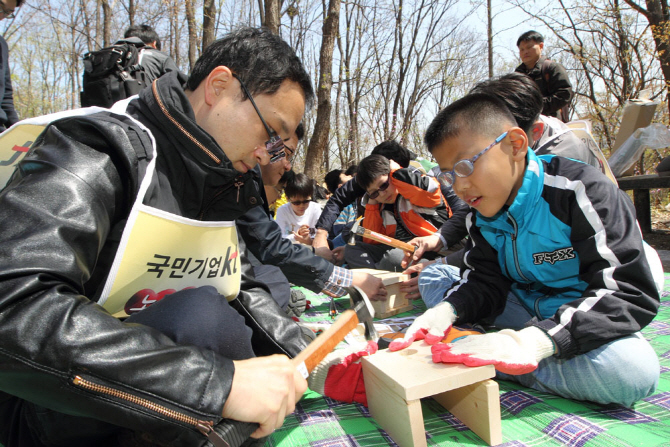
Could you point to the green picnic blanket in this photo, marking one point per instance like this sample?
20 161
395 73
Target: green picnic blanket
529 418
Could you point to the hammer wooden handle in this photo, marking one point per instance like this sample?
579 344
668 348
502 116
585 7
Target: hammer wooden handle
323 345
389 240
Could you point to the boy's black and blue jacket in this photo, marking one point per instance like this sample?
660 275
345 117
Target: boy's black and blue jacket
569 247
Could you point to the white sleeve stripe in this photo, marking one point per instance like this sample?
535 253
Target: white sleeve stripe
604 251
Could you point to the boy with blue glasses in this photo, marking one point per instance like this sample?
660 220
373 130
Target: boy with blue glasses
555 256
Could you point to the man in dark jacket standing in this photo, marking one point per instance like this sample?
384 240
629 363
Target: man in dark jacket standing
8 115
131 211
549 75
155 62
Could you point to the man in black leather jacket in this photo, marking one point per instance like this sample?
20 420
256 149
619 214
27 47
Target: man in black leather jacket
71 373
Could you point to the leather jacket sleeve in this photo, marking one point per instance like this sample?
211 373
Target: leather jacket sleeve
264 240
55 216
454 229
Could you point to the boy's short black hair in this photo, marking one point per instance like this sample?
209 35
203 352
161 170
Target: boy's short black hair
299 186
260 58
520 94
478 113
332 180
393 150
530 35
371 168
146 34
351 170
286 177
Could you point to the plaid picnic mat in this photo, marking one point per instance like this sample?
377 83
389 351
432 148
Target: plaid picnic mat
529 418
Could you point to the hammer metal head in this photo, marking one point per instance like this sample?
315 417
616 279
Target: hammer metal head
364 311
353 232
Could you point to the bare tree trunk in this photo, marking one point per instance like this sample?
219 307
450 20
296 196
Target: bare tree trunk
489 35
658 16
272 18
106 23
318 145
208 22
132 10
192 32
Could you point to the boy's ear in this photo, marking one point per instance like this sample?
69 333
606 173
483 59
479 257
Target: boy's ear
519 141
537 130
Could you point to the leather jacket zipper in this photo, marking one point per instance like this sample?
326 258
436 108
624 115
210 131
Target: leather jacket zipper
164 109
204 427
237 184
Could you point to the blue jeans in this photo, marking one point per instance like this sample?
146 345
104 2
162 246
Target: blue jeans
622 371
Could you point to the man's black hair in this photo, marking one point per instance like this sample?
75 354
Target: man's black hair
477 113
332 180
146 34
299 186
371 168
393 150
530 35
520 94
260 58
300 131
351 170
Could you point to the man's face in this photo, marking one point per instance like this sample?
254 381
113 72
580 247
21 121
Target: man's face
495 179
7 8
235 125
530 51
344 178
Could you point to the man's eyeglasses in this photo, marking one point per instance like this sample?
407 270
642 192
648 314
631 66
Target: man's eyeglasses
384 186
301 202
465 168
8 14
275 145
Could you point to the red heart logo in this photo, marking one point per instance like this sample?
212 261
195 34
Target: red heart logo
145 298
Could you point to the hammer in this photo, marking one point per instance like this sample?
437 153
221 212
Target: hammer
357 229
234 433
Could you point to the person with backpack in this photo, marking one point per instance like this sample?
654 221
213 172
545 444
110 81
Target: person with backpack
549 75
120 71
8 115
154 61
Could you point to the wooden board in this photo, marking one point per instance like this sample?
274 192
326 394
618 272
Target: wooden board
396 302
395 382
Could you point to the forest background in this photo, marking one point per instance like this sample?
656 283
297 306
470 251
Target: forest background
381 68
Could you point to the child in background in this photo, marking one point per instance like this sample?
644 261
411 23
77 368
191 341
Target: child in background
298 217
401 203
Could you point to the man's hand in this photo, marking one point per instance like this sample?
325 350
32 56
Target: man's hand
371 285
264 390
423 244
511 352
411 287
432 326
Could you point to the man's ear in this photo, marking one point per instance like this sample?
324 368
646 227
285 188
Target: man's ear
218 82
541 46
537 130
519 142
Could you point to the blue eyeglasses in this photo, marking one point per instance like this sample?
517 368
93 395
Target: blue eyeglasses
464 168
275 145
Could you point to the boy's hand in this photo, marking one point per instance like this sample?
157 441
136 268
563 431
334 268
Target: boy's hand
264 390
511 352
303 230
423 244
432 326
411 287
302 239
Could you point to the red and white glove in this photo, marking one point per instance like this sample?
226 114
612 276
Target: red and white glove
340 375
511 352
432 326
